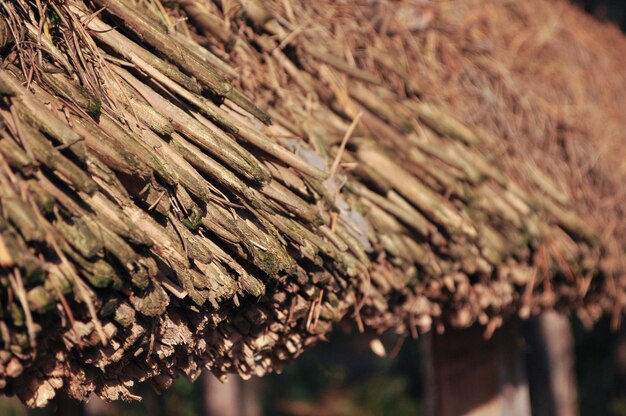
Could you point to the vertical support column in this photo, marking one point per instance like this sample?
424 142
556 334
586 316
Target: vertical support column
469 375
236 397
551 365
62 405
220 399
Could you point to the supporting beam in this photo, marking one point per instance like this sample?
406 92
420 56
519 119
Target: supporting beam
468 375
550 366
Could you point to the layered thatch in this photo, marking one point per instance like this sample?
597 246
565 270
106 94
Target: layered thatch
192 183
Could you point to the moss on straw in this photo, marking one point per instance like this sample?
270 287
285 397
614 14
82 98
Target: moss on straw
155 222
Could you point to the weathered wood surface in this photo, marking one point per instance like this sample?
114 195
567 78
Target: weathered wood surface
551 374
470 375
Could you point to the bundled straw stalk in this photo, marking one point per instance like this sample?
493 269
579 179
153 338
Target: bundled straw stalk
191 184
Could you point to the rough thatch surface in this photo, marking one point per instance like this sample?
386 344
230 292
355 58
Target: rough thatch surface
426 165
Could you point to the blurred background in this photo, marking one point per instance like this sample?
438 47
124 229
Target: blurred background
608 10
368 374
345 377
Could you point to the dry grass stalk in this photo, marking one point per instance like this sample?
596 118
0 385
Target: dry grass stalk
155 223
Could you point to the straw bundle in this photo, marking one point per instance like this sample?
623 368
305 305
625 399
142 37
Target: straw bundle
195 184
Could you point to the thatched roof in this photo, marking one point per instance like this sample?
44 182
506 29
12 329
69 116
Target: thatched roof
193 183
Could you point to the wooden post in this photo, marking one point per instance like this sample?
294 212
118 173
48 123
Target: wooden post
62 405
98 407
220 399
468 375
236 397
551 365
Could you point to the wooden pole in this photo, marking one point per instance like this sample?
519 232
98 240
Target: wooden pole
551 365
63 405
468 375
236 397
220 399
98 407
